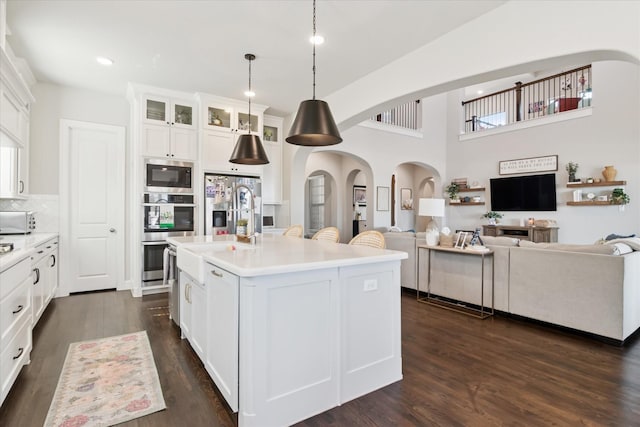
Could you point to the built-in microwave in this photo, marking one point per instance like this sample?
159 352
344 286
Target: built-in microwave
168 176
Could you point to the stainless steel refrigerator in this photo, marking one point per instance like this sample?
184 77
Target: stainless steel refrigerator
228 199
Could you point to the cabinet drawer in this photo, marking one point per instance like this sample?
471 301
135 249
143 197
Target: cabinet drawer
14 308
11 278
12 358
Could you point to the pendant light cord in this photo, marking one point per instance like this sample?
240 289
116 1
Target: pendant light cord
314 49
250 96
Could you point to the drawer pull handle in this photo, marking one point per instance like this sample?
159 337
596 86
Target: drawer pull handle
20 351
54 261
20 307
215 273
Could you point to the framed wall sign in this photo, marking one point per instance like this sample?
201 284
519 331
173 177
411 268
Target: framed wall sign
382 198
359 194
531 164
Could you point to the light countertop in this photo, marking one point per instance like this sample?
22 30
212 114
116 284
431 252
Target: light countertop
276 254
23 247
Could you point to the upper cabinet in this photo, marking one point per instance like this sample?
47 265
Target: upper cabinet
230 115
169 128
272 139
15 102
223 120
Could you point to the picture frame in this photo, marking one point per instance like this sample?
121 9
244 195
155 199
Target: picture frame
359 194
530 164
382 198
406 199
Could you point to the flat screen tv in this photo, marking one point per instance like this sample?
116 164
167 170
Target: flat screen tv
524 193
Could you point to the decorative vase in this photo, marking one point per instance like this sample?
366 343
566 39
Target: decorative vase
572 177
493 221
609 173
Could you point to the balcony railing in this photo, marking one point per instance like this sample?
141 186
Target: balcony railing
555 94
407 116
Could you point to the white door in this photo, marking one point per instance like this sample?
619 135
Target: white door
92 206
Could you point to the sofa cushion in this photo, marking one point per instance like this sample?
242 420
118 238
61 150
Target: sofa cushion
499 241
592 249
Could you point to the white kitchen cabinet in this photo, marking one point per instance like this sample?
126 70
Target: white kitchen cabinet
217 147
168 128
199 319
44 265
193 319
223 121
15 100
272 172
222 293
185 306
52 270
15 323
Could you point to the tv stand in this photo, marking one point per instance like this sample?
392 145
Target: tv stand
531 233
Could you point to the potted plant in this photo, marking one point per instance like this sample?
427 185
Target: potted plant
619 197
572 168
452 190
493 217
241 227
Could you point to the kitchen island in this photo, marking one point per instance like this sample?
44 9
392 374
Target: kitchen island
289 328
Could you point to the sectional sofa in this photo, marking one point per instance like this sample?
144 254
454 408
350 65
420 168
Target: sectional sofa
589 288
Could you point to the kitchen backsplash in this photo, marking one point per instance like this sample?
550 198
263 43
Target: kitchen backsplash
45 208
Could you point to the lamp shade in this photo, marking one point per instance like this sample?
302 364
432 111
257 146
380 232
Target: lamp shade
249 151
314 125
431 207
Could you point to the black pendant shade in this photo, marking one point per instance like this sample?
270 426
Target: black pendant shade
314 125
249 151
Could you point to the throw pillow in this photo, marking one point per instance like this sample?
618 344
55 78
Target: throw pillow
617 236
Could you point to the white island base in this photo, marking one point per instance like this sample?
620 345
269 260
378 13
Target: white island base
295 327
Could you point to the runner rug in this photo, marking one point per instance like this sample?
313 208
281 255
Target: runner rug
105 382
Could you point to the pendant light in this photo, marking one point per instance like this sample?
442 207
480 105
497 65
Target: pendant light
314 125
249 149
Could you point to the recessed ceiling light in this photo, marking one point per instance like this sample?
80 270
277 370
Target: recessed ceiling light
317 39
104 60
249 93
480 92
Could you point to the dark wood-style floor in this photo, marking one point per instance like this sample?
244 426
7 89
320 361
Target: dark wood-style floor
458 371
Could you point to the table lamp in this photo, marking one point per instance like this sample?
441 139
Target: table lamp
432 208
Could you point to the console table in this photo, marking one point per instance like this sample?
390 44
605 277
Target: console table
481 312
532 233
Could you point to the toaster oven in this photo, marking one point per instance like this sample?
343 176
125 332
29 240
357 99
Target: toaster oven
21 222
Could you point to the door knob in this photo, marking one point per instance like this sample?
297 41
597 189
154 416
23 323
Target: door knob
112 230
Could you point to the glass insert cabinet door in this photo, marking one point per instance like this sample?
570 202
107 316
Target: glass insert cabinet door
162 111
156 110
183 114
270 133
219 117
243 122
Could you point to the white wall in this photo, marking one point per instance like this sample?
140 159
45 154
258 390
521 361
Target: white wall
610 136
58 102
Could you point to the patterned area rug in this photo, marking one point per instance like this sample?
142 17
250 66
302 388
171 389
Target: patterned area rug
106 382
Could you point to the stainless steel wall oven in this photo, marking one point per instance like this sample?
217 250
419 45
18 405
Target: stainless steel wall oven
164 215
